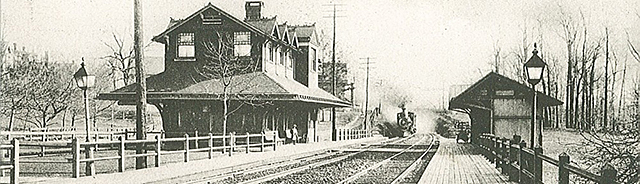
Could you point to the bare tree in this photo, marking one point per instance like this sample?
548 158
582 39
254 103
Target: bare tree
120 61
224 65
44 88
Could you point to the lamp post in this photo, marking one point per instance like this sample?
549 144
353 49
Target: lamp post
534 68
84 82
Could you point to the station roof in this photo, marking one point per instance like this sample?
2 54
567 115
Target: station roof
496 86
258 86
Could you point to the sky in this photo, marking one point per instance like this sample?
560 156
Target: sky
419 47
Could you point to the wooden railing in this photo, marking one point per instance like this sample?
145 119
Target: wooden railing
151 148
46 136
349 134
524 165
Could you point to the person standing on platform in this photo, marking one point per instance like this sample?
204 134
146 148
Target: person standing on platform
294 133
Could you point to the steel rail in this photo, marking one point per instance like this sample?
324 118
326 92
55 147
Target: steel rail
271 165
415 163
313 165
365 171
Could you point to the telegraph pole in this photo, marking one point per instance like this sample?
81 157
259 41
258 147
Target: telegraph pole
141 90
366 89
333 72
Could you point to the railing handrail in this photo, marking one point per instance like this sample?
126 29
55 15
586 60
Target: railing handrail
571 168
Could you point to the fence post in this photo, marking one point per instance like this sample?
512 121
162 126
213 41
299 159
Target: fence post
350 134
262 137
121 154
186 147
90 165
76 157
96 137
248 142
111 140
513 157
224 142
210 144
15 161
275 140
196 140
520 161
158 148
563 174
497 150
232 143
44 139
504 161
609 174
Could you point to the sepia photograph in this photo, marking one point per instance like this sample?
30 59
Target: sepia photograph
326 91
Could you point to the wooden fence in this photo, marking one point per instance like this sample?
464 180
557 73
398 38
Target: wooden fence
152 148
524 165
349 134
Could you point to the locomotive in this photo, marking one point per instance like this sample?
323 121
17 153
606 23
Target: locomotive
405 125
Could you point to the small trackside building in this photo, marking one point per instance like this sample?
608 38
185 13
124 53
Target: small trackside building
280 90
501 106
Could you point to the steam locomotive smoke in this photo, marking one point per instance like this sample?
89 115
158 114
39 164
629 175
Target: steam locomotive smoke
392 98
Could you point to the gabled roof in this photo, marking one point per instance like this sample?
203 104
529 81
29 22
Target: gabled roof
267 25
471 97
283 30
173 24
306 33
293 36
258 85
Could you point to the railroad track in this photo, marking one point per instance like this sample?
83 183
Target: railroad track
363 166
256 173
370 175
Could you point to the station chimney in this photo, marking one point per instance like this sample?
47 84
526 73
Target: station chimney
253 9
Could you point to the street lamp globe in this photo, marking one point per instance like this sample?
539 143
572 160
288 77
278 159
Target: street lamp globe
534 68
83 79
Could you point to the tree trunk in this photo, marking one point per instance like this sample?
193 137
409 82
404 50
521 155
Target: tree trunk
569 95
225 116
622 96
606 81
11 117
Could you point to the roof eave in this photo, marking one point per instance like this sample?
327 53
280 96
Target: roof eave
130 96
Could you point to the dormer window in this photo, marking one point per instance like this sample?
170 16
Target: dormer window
242 43
186 46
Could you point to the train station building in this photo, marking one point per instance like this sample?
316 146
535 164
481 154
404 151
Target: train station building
501 106
267 70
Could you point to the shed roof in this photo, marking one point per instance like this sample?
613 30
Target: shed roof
488 88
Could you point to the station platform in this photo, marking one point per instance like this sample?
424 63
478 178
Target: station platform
460 163
188 171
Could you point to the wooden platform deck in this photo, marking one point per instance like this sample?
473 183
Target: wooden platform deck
460 163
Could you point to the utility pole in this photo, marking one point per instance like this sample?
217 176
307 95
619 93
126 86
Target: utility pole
366 96
333 72
141 90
